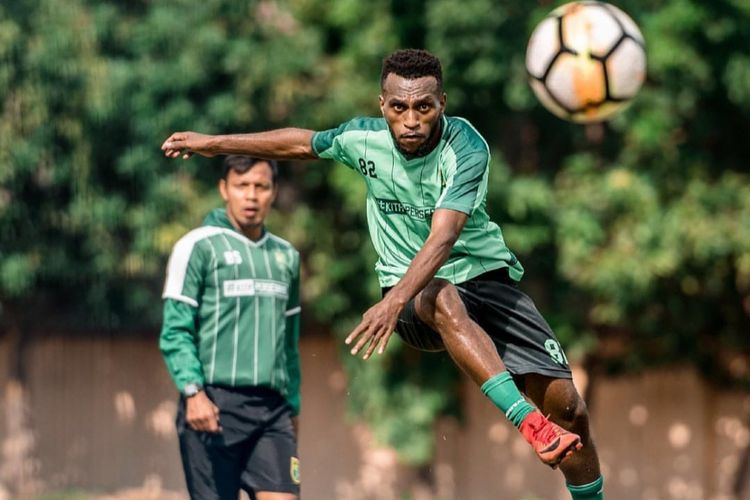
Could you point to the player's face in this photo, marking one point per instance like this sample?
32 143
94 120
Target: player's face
248 198
412 108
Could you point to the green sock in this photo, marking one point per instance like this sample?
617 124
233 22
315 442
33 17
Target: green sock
502 391
591 491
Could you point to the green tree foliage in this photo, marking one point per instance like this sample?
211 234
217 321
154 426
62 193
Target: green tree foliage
635 234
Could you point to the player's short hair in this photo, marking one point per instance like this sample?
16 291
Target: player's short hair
412 64
241 164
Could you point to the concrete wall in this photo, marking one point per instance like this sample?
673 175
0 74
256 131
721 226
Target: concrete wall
102 411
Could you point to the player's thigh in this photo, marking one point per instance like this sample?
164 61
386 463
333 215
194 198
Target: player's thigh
440 301
414 331
273 465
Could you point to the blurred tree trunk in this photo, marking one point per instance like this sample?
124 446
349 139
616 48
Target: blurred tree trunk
17 467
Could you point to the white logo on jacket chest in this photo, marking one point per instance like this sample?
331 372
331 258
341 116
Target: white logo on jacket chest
232 257
250 287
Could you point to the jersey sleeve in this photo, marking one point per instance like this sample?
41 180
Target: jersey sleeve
330 145
466 183
182 290
177 343
292 340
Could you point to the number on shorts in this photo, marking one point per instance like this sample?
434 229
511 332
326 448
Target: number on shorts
555 351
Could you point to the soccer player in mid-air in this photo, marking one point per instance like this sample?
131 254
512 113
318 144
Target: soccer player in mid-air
449 281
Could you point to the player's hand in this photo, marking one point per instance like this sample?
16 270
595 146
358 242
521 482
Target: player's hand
202 414
376 327
185 144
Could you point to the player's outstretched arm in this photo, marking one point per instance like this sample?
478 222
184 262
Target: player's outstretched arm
279 144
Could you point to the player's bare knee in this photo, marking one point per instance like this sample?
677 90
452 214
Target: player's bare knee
439 305
424 304
572 414
450 312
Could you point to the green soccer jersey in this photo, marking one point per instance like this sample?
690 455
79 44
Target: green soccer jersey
402 195
231 312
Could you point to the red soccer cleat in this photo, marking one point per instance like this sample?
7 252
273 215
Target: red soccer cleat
552 443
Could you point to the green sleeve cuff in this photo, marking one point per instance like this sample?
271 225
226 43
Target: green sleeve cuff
178 346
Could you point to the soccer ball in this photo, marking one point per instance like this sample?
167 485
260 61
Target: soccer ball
586 60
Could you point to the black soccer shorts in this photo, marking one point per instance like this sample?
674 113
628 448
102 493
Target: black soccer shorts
256 449
523 338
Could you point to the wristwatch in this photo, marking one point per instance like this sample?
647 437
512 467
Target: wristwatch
191 389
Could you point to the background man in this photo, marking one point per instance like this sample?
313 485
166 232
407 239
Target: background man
449 280
230 341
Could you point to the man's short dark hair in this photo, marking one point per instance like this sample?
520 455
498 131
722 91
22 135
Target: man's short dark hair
241 164
412 64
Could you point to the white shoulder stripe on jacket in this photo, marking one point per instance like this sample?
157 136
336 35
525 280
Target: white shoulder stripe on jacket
179 260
